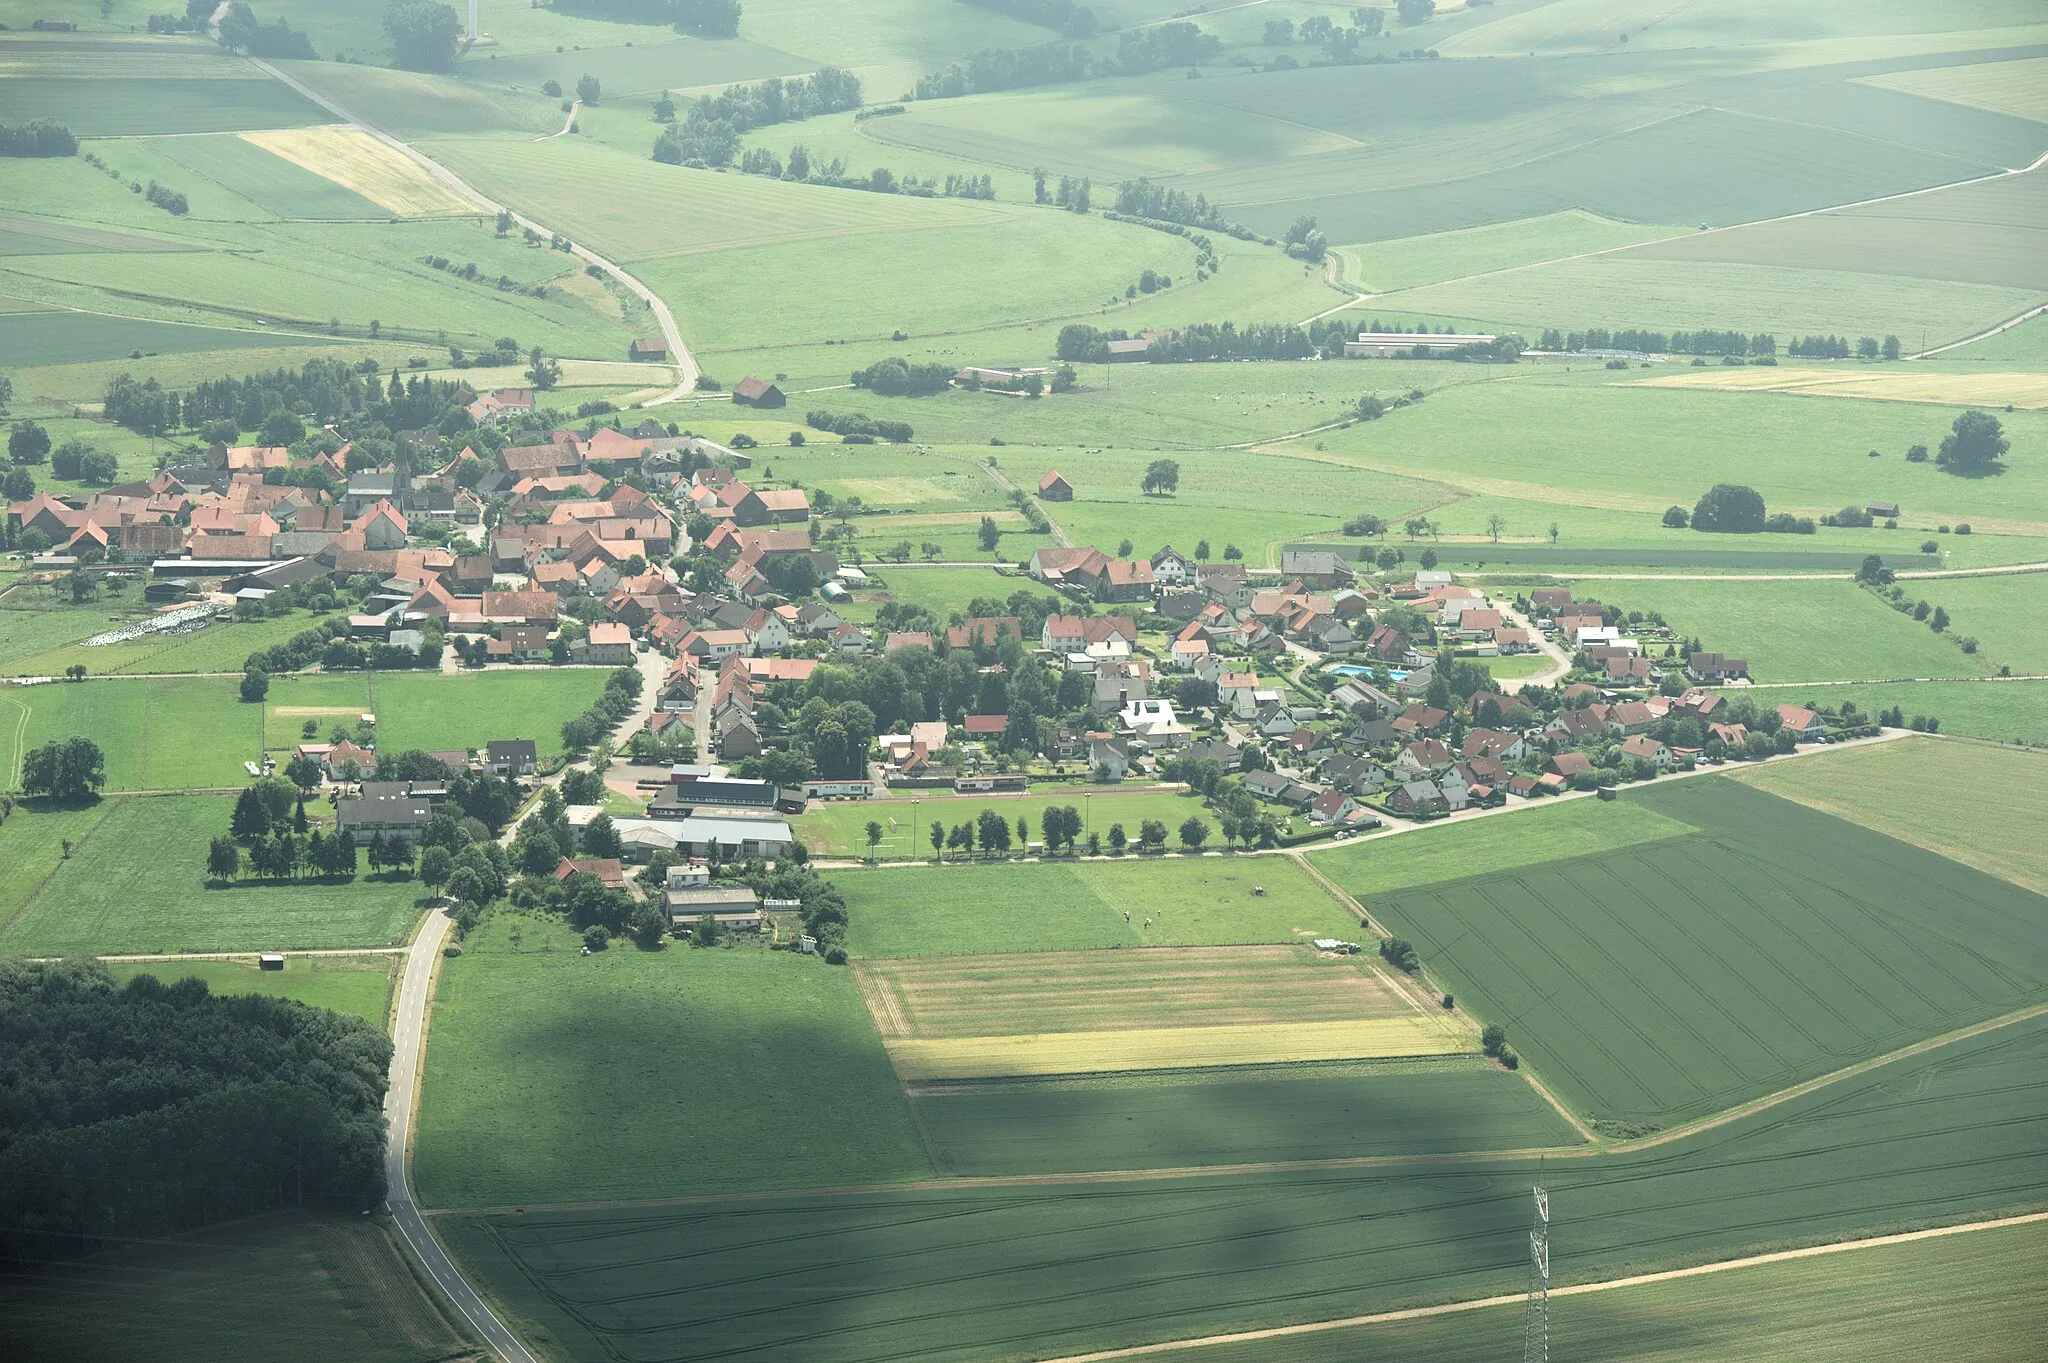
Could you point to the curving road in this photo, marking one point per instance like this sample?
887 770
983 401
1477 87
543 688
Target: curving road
686 368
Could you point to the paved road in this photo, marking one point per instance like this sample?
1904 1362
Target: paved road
685 363
408 1039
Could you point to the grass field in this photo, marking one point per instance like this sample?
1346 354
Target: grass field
427 710
839 828
149 106
1673 979
1168 1120
2004 712
1407 262
329 1286
751 1069
978 1273
170 733
1977 805
58 337
42 643
916 911
357 985
1999 612
942 591
361 164
1966 1298
1889 385
135 883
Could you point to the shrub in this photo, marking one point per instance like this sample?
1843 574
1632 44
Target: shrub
597 937
1400 952
1493 1039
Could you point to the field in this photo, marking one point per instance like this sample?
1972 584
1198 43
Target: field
1978 805
2008 87
752 1069
1185 1048
1887 385
1231 1116
426 710
358 162
2004 712
288 188
916 911
357 985
1957 1297
134 884
328 1286
58 337
1673 979
42 643
170 733
1406 262
1999 611
1005 1272
839 828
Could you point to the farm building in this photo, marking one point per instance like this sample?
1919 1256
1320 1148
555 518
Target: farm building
1384 344
648 348
753 392
1055 488
1132 351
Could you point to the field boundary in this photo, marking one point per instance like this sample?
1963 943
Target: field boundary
1575 1290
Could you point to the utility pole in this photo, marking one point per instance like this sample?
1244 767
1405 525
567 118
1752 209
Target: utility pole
1536 1322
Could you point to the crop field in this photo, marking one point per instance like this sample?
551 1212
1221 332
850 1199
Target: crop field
357 985
760 1065
920 911
134 883
1404 263
642 67
2002 711
1981 806
160 734
358 162
29 236
110 103
285 187
2017 86
1975 389
1967 1298
332 1286
1026 993
412 105
839 828
1805 631
962 1273
1083 1124
1671 980
62 337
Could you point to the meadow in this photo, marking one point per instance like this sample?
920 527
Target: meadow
942 591
331 1286
359 986
1982 806
839 828
433 712
964 1273
42 643
2003 712
1670 980
169 733
135 883
1231 1116
752 1069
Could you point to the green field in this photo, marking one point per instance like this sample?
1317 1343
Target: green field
921 911
1007 1272
1979 805
751 1069
44 643
286 189
434 712
1407 262
1958 1298
147 106
2013 86
2005 712
329 1287
135 883
1672 979
63 337
1292 1112
360 986
839 828
171 733
2000 612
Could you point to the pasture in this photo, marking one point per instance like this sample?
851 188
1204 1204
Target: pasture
1668 981
963 1273
44 643
1059 906
427 710
169 733
357 985
333 1286
942 591
134 883
1086 1124
752 1069
1981 806
64 337
358 162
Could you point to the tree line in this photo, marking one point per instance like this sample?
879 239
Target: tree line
37 137
858 428
898 377
832 173
1202 342
710 132
705 18
143 1110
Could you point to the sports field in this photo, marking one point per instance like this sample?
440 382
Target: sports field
135 882
360 986
967 1273
1676 978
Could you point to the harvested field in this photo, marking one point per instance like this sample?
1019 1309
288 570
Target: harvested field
310 711
245 168
355 160
1177 1048
2009 87
1887 385
1015 993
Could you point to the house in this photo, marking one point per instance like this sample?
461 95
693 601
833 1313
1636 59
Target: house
1273 720
395 818
1126 580
1359 775
1139 714
907 639
1306 747
345 756
1315 569
735 734
1422 757
753 392
1108 759
985 727
731 906
1420 718
607 642
1225 755
1496 744
1357 695
1646 749
1577 726
1054 487
1568 765
1170 568
511 757
1239 691
1804 724
1064 634
772 506
1733 735
1280 790
1632 717
1388 644
1081 565
1711 669
608 871
647 348
1332 806
518 643
1425 798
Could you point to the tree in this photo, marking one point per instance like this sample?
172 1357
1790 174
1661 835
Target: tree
1973 445
705 933
251 819
938 837
874 838
994 831
1193 833
1874 572
71 770
1151 833
648 923
1123 548
423 34
255 685
1161 476
542 371
223 859
600 838
1493 1038
1231 553
1428 559
1677 517
1414 11
1201 551
1938 621
18 485
1729 509
436 865
989 535
1117 840
1891 347
1494 525
28 443
1023 832
299 815
588 89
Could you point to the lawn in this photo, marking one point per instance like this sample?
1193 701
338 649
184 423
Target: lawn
1157 901
357 985
1044 1271
1979 805
942 591
168 733
839 828
745 1068
329 1286
1668 981
135 884
1805 631
1303 1112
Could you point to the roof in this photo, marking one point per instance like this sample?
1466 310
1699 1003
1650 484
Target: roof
751 387
986 724
1052 479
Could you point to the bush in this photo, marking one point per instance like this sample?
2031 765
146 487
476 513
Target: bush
597 937
1677 517
1729 509
1400 952
1493 1039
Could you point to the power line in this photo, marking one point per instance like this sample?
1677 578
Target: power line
1536 1321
